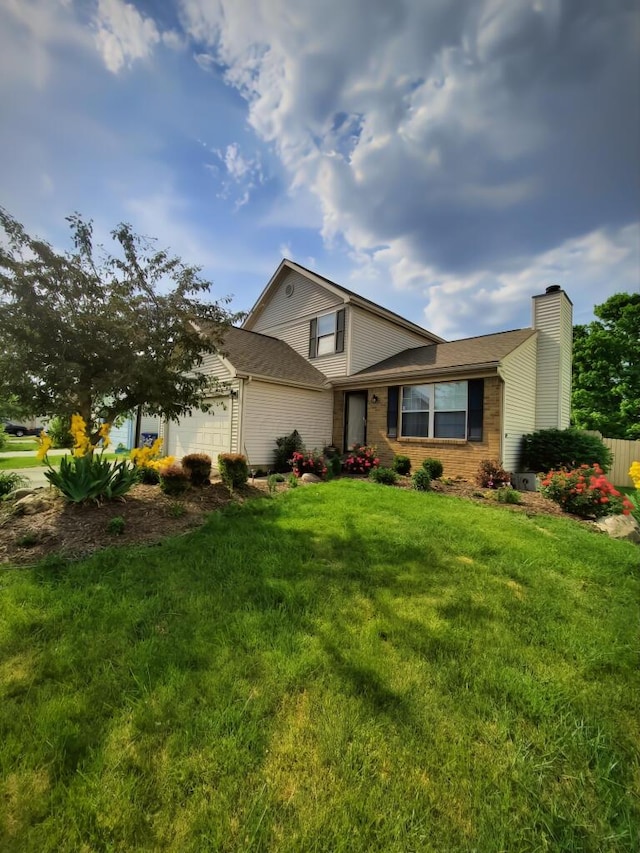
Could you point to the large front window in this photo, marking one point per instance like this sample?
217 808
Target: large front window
438 410
326 334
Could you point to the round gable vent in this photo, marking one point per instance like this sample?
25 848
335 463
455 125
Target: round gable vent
288 291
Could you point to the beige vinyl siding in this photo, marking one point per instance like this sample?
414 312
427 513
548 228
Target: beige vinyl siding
271 410
518 370
307 300
372 339
552 317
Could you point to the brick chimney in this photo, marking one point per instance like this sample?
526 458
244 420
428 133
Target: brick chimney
552 316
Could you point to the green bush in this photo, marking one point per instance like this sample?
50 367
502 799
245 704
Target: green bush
401 465
386 476
92 478
551 449
233 469
198 467
421 480
174 480
491 475
286 446
59 431
116 525
4 441
333 461
434 467
9 482
147 475
507 495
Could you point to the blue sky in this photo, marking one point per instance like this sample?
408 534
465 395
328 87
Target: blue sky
447 159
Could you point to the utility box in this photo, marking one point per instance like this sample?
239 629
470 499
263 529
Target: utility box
526 481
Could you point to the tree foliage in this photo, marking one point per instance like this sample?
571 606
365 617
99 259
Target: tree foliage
97 333
606 369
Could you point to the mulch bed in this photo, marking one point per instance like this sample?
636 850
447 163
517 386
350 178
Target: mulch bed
150 516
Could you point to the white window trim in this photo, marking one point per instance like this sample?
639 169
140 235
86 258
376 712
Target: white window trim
431 394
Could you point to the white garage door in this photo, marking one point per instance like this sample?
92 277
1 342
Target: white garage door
203 432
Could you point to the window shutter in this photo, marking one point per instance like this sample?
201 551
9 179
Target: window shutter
340 331
393 396
313 338
475 415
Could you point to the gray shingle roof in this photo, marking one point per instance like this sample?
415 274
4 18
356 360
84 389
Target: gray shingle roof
261 355
467 353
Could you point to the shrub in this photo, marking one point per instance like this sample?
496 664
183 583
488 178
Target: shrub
286 446
59 431
332 461
9 482
4 441
552 449
174 480
272 482
401 465
491 475
434 467
386 476
198 467
293 481
233 469
421 480
308 463
507 495
586 492
360 459
147 475
116 525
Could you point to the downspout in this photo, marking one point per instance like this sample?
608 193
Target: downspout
503 392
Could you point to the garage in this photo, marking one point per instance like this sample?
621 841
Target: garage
203 432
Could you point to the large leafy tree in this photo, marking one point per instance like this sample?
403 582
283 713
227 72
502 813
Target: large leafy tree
606 369
98 333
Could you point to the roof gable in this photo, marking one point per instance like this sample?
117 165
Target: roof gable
342 294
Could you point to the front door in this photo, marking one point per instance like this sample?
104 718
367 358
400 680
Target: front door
355 418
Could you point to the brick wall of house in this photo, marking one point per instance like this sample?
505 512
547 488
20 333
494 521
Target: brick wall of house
460 458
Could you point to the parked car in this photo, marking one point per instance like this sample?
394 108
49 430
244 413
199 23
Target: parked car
19 429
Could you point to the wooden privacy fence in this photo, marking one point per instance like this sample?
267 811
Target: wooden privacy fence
624 453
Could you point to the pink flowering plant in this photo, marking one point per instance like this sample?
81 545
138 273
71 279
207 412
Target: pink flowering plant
360 459
586 492
305 462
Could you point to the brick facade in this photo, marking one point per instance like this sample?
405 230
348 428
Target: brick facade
460 458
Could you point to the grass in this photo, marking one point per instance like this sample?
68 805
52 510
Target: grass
21 445
339 668
14 462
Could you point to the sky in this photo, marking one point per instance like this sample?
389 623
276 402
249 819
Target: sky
447 159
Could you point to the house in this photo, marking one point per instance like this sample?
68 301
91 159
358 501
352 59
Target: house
316 357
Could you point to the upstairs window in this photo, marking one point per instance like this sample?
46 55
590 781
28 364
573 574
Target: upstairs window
326 334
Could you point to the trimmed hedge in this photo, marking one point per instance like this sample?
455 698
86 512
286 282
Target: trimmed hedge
552 449
233 469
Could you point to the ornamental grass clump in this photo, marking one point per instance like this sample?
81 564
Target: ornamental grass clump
233 470
360 459
308 462
85 475
198 467
385 476
586 492
174 480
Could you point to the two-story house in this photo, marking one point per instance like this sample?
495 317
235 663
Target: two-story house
316 357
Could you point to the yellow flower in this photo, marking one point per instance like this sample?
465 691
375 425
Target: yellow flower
81 443
104 435
45 443
634 473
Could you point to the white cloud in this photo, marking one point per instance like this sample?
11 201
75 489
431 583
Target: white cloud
239 175
441 139
124 35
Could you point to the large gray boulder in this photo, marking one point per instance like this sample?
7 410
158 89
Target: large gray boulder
620 527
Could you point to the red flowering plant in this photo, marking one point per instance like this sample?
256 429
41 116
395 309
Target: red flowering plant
585 491
305 462
360 459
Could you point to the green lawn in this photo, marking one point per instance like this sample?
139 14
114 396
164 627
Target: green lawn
19 445
13 462
346 667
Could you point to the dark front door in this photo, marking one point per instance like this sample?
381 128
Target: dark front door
355 418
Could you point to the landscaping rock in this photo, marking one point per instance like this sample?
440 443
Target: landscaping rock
310 478
31 505
620 527
16 494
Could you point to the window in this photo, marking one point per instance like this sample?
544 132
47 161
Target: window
437 410
326 334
